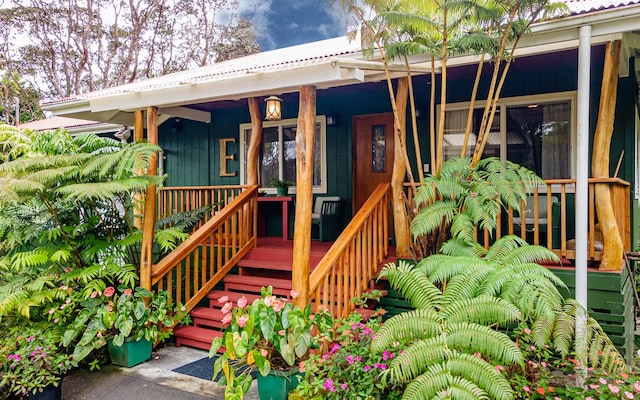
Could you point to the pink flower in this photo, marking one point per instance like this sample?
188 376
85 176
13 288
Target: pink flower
277 305
62 307
108 292
242 321
628 395
264 352
636 386
68 301
223 299
589 398
268 301
128 292
343 386
499 368
527 331
55 321
302 367
94 294
242 302
526 388
227 318
603 381
227 307
614 389
52 311
294 294
594 386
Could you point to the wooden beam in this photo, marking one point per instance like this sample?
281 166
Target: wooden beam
138 136
254 143
146 258
305 139
613 249
401 223
187 113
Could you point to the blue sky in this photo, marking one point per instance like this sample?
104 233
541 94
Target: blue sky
282 23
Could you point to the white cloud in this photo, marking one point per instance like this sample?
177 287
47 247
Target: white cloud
258 12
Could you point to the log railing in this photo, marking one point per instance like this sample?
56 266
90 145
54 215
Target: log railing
557 196
191 270
348 267
172 200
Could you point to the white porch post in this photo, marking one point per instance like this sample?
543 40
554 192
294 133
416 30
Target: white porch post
582 164
582 185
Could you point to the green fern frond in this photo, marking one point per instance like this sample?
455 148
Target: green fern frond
484 310
503 246
482 374
440 269
430 217
469 338
463 249
420 324
465 284
105 190
416 359
413 285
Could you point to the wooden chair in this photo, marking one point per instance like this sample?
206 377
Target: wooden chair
326 214
543 218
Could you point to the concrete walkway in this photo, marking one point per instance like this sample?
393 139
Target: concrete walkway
151 380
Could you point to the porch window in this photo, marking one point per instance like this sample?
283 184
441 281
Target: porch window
277 158
535 132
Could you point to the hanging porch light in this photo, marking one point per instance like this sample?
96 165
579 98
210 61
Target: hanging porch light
273 111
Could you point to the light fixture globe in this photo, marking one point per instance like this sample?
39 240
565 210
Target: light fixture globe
273 111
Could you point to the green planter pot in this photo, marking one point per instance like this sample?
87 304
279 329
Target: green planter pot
130 353
277 384
280 191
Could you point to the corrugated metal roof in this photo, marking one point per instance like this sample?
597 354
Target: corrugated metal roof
587 6
280 59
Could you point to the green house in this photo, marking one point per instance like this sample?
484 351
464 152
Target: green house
546 120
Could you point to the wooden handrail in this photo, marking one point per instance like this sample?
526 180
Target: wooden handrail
347 268
193 268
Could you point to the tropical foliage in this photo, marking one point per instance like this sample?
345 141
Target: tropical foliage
463 197
466 301
66 235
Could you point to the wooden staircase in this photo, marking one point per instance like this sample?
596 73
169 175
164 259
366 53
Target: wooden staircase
269 264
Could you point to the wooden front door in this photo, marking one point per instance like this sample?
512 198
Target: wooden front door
373 144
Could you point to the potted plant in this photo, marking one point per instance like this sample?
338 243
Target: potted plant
269 335
33 363
282 187
129 320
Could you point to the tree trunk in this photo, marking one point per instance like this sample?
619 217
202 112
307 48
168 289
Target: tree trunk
146 258
401 224
305 139
613 248
254 143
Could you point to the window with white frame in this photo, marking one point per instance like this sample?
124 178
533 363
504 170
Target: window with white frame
535 132
277 158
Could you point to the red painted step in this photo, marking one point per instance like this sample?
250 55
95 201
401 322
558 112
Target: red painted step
253 284
232 297
193 336
207 317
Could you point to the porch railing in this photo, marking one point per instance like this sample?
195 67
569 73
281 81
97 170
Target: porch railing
350 264
172 200
555 229
191 270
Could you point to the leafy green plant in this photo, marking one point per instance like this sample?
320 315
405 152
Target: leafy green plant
268 334
117 314
32 359
462 197
510 269
349 369
452 343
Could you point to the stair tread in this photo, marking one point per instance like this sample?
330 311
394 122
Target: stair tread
197 333
258 281
207 313
233 296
